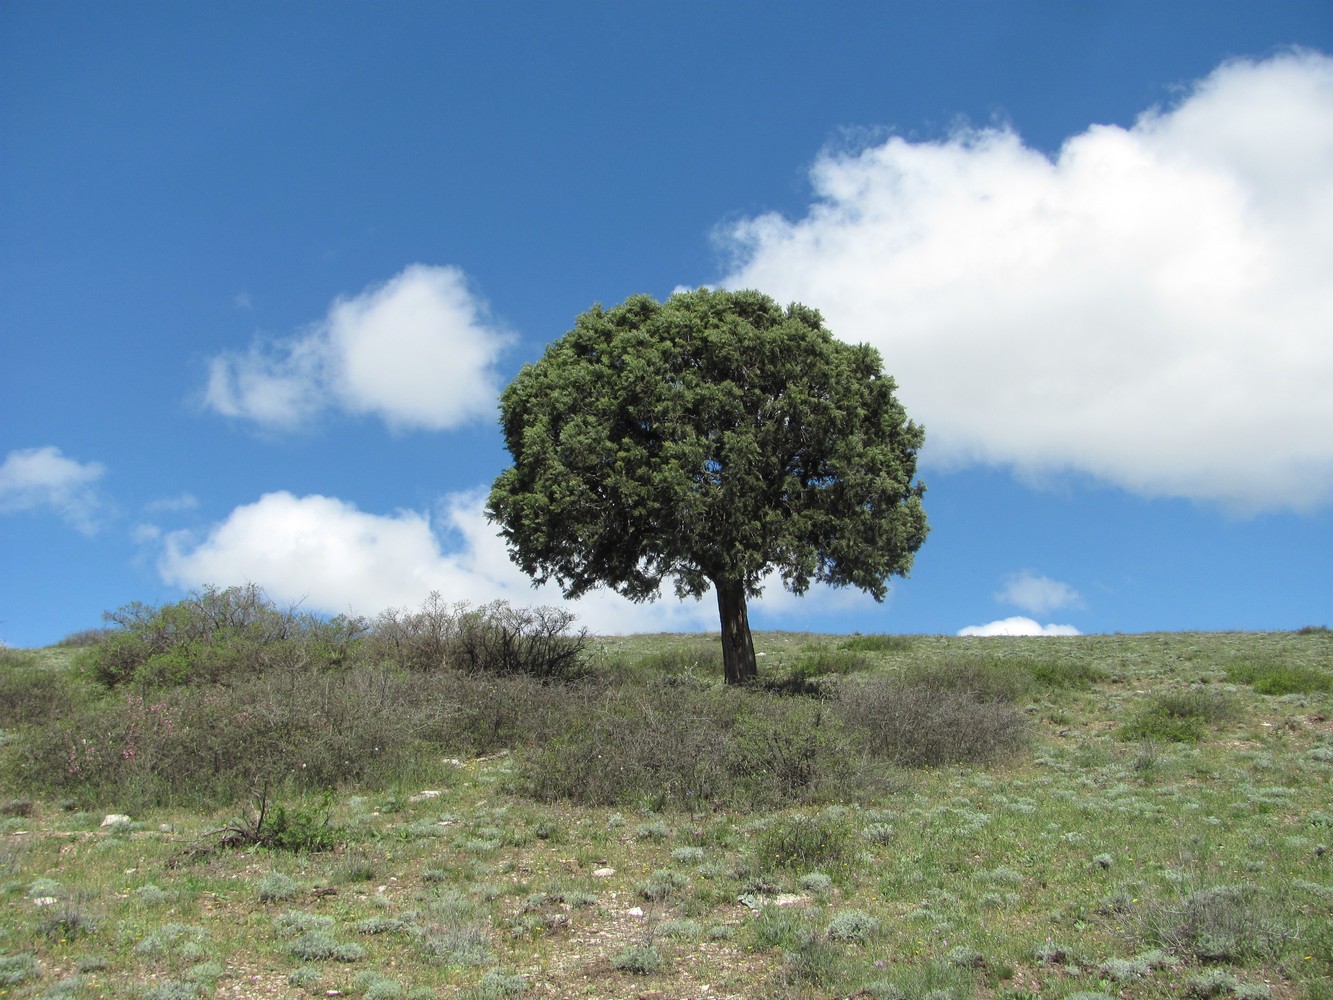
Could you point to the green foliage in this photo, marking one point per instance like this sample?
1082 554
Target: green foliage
33 694
1179 716
275 887
877 643
17 969
1226 923
854 926
708 439
496 985
804 843
284 828
1277 677
214 635
638 959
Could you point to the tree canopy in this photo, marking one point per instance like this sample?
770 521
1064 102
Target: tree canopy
712 439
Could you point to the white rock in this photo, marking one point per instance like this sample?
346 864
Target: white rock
636 911
116 819
603 872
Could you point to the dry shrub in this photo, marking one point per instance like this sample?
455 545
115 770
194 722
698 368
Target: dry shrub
927 720
681 746
299 728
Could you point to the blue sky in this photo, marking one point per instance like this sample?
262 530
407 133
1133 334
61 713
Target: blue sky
264 268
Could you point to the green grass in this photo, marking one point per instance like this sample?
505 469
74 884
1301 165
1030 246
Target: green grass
1097 856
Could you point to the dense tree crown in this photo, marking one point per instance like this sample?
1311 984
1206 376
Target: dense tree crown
710 439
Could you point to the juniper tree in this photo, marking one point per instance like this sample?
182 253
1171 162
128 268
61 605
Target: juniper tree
711 440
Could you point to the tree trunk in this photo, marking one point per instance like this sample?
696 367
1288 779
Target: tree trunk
737 646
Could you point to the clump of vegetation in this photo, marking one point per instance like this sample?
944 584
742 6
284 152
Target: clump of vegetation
853 926
213 635
1180 716
877 643
17 969
804 843
638 959
284 828
1278 677
1223 924
684 747
935 717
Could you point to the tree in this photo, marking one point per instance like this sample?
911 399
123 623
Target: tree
710 439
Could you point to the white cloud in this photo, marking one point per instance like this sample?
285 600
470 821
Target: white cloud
332 557
34 478
1018 626
418 351
1151 306
1038 594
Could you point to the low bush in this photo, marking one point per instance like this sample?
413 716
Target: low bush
877 643
804 843
929 718
823 662
32 694
297 729
689 748
284 828
1234 924
215 635
1277 677
495 638
1179 716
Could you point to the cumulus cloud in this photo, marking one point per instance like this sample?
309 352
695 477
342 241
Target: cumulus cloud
1150 305
1018 626
1038 594
418 351
36 478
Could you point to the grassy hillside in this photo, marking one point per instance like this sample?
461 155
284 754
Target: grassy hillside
1144 816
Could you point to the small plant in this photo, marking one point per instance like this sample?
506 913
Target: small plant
688 929
778 927
282 828
1223 924
466 946
1123 970
662 884
816 882
1179 716
18 969
877 643
1279 678
638 959
497 985
853 926
306 977
275 887
803 843
652 830
1213 983
171 989
322 946
151 895
814 961
67 923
